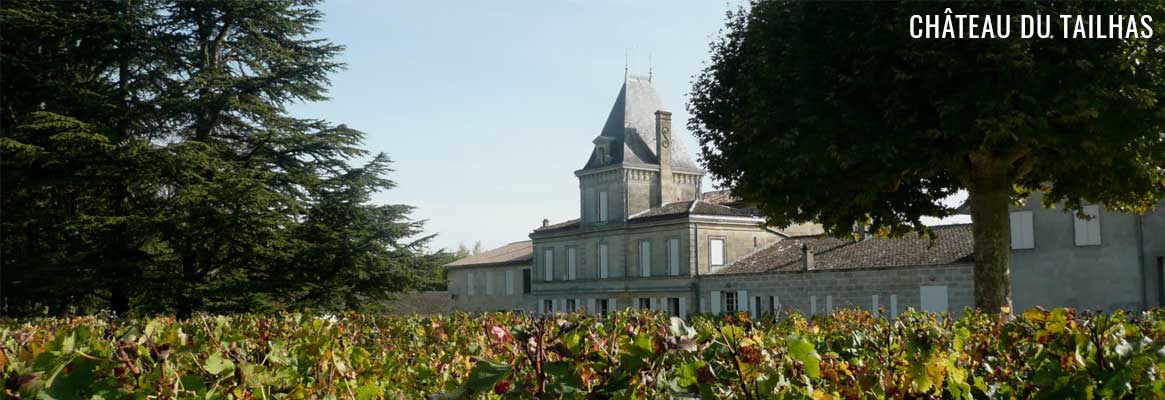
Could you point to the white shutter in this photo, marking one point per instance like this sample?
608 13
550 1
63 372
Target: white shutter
893 306
673 256
812 305
571 263
683 307
469 283
1088 230
742 302
874 305
603 273
654 304
933 298
716 252
828 304
644 258
548 265
591 306
510 282
704 305
715 301
611 305
1022 236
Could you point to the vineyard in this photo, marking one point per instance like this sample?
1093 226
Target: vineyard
629 355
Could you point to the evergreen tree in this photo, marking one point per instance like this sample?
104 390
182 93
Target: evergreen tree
148 156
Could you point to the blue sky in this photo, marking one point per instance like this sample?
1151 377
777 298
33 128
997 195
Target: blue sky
487 108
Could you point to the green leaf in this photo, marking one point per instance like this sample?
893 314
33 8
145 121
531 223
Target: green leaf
802 350
486 373
217 365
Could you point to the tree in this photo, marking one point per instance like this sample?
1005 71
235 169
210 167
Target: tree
149 156
832 112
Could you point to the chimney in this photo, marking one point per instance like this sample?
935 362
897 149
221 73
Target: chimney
663 144
806 257
545 222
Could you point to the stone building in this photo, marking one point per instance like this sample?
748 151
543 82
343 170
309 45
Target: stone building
647 236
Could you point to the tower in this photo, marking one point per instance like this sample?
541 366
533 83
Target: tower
636 163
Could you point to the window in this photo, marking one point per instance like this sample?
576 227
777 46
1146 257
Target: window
510 282
757 305
730 302
673 256
644 303
602 306
673 306
526 281
603 271
570 306
716 252
644 258
1021 230
571 263
548 306
548 265
1088 230
602 208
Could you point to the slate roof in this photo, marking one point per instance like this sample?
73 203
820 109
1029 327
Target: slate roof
955 244
513 253
691 207
631 128
561 226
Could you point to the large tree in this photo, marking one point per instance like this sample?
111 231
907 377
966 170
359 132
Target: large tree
832 112
148 155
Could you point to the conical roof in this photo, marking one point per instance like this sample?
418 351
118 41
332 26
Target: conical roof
630 128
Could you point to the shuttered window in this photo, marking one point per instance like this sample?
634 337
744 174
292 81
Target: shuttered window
548 265
1022 236
603 268
602 209
716 252
644 258
1088 230
673 256
571 263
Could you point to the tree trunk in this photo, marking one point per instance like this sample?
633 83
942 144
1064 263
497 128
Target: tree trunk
990 196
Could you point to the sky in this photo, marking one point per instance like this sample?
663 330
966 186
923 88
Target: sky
488 108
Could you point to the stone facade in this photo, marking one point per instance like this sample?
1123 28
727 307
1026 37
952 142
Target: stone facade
891 289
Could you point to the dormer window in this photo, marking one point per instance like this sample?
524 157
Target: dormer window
603 149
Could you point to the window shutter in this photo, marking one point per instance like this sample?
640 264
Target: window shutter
603 206
715 299
683 307
489 282
716 252
742 303
611 305
510 282
603 272
1088 230
644 258
548 265
1021 230
673 256
571 263
591 306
